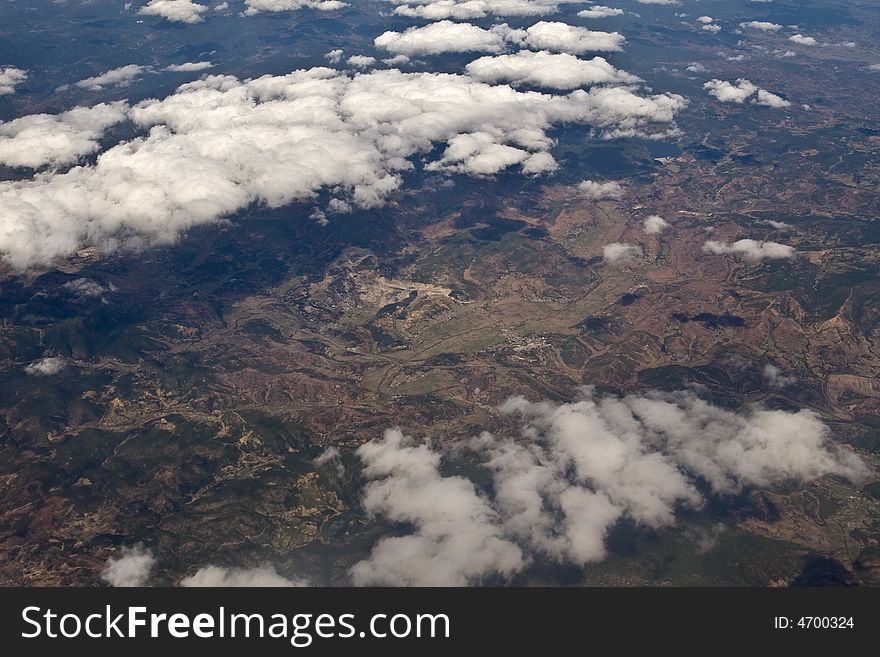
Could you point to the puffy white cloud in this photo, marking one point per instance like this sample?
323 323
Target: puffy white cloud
131 568
751 250
600 11
658 2
620 252
597 191
764 26
457 538
116 77
334 56
219 144
705 20
442 37
711 27
654 225
46 366
177 11
570 473
262 576
468 9
728 92
85 288
37 140
802 40
550 70
223 6
696 67
361 61
10 78
764 97
257 6
561 37
189 67
775 378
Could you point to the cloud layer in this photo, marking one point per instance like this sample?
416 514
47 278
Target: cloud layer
572 472
220 143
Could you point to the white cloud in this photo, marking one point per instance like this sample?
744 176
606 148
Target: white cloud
257 6
712 27
361 61
570 473
334 56
802 40
600 11
550 70
654 225
705 20
85 288
189 67
442 37
620 252
46 366
261 576
751 250
131 568
776 379
764 97
10 78
178 11
219 144
696 67
874 67
468 9
561 37
116 77
764 26
223 6
596 191
658 2
727 92
37 140
457 538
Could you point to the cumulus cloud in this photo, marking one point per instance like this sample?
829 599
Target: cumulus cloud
361 61
550 70
442 37
561 37
751 250
600 11
764 26
597 191
258 6
10 78
705 20
116 77
468 9
46 366
570 473
38 140
654 225
262 576
776 379
658 2
620 252
189 67
728 92
802 40
177 11
334 56
457 538
131 568
219 144
696 67
768 99
85 288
